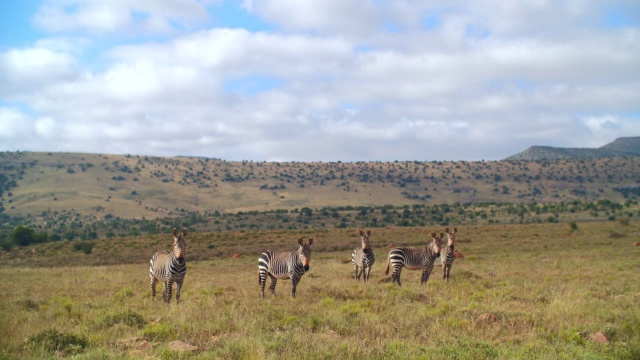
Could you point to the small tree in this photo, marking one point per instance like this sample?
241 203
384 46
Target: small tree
22 236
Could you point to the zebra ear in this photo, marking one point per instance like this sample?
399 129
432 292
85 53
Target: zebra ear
310 241
369 232
433 235
455 230
361 233
184 232
441 235
175 232
300 241
446 230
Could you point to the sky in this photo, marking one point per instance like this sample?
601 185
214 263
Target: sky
317 80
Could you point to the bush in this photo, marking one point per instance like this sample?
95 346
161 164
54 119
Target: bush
6 244
22 236
52 340
84 246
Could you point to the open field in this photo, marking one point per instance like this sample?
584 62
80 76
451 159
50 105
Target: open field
545 284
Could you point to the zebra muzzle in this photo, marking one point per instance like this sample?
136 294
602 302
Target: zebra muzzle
306 268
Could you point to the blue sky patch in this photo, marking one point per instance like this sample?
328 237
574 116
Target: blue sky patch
251 85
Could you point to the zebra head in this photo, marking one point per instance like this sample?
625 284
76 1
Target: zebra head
304 252
436 244
179 243
451 236
364 238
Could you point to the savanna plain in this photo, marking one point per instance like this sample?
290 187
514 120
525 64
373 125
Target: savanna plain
522 291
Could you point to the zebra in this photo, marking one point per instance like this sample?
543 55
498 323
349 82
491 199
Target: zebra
284 265
362 257
414 259
169 267
448 255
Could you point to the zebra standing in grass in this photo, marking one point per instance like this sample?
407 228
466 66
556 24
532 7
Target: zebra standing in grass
447 254
169 268
414 259
362 257
284 265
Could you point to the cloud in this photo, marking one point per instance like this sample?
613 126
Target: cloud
116 16
359 17
438 80
27 70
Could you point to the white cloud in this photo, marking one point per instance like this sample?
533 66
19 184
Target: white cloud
319 16
393 80
28 70
109 16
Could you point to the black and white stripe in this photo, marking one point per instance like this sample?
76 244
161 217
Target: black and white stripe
362 257
414 259
169 267
284 265
447 253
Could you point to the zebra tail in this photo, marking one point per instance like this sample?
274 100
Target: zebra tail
386 271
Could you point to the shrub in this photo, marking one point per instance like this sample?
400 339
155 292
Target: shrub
6 244
22 236
84 246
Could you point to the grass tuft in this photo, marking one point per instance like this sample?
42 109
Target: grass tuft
126 317
53 340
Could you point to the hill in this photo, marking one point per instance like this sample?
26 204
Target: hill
97 195
626 146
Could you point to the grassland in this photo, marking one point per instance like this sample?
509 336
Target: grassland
549 286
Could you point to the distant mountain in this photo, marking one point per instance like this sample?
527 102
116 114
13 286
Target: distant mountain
625 146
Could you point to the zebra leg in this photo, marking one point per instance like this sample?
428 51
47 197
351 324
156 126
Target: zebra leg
153 287
294 284
262 279
272 287
395 277
444 272
426 272
356 268
164 291
169 286
367 273
178 288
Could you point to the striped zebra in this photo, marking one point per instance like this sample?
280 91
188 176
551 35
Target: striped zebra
362 257
284 265
414 259
169 267
447 253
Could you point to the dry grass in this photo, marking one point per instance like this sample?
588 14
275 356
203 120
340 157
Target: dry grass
544 284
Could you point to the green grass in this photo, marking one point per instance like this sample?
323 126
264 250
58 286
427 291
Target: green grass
544 283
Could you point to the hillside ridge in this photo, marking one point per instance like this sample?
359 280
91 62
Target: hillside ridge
624 146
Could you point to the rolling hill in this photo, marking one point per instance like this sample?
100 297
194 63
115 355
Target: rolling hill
136 187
